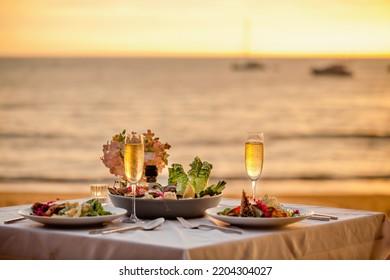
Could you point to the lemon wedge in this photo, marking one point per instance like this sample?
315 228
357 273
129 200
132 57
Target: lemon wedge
189 192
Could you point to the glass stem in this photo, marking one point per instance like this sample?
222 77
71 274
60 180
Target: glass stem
133 190
253 188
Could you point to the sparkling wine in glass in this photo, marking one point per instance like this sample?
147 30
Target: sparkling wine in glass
134 164
254 157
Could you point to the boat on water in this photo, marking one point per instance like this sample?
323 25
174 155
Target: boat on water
247 65
333 70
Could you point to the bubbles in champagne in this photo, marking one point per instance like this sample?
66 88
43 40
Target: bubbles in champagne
254 157
134 161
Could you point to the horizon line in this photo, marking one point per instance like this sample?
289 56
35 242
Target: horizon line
201 56
233 55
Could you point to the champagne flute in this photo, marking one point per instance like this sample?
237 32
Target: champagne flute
254 157
134 164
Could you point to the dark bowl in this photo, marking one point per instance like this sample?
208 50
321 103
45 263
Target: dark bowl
165 208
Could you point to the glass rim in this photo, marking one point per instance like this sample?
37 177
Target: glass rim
134 138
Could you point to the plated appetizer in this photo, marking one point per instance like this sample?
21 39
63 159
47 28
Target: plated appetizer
90 208
265 207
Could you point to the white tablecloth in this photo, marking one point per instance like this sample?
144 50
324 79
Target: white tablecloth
355 235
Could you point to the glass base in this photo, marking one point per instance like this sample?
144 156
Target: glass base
132 220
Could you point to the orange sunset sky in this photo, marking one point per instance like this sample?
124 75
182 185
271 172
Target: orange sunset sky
194 27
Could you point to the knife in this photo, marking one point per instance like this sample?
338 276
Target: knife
10 221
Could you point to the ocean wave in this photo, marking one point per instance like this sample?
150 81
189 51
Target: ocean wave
227 140
286 137
14 135
44 179
325 135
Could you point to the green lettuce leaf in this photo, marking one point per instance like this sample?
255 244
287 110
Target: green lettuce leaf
213 189
178 177
199 174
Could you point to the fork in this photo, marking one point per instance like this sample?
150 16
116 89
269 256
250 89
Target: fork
188 225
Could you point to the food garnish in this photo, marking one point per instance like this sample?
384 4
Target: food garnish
113 152
92 207
265 207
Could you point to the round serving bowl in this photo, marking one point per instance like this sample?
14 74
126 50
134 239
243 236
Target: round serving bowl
166 208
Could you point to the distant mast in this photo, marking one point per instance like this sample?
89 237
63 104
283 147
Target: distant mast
247 63
246 37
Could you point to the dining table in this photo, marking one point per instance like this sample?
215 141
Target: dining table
354 235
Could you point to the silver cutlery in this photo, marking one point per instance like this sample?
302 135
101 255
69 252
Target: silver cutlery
145 226
322 217
319 218
188 225
332 217
14 220
101 230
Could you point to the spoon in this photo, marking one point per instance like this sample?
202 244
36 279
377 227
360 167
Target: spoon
146 226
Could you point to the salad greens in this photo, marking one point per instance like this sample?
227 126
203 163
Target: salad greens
178 177
199 174
213 189
96 208
197 178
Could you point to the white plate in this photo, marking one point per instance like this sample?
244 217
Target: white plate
77 221
258 222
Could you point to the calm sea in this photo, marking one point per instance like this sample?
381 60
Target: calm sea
56 113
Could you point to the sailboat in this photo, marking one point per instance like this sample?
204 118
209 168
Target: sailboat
247 63
334 70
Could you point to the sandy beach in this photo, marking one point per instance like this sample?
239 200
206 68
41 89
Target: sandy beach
363 195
